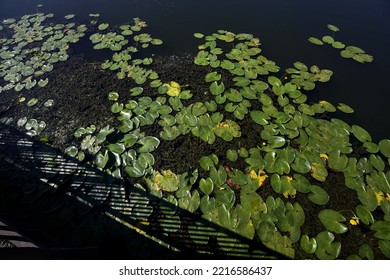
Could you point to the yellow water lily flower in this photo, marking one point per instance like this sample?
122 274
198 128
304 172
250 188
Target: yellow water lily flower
354 221
381 196
260 176
324 156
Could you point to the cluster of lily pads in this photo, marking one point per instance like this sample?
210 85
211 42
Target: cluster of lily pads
31 47
296 146
353 52
125 45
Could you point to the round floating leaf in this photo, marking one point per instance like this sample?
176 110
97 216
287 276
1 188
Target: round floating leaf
318 195
338 45
332 220
345 108
103 26
32 102
198 35
149 144
212 76
309 245
384 147
217 89
315 41
328 39
70 16
384 246
326 248
276 142
260 117
48 103
382 229
364 214
136 91
117 148
71 151
361 134
135 171
301 165
43 82
116 107
101 159
206 186
113 96
232 155
333 28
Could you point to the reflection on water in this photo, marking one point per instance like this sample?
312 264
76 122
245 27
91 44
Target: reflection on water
283 27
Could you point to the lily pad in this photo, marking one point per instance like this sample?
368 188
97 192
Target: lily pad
333 28
361 134
103 26
333 221
309 245
315 41
326 248
318 195
384 147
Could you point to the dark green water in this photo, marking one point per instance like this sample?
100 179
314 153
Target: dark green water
282 26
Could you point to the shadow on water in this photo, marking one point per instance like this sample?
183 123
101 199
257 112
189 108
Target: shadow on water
70 210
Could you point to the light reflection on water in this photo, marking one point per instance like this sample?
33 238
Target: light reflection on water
282 26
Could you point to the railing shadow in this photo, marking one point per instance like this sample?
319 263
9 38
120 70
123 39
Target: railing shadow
94 215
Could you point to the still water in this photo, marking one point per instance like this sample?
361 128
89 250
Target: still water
283 27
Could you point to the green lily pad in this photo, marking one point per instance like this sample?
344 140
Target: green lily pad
382 229
101 159
315 41
149 144
332 220
326 248
48 103
384 246
364 214
301 165
113 96
190 202
71 151
232 155
135 171
328 39
167 180
217 89
116 107
198 35
136 91
309 245
103 26
207 204
361 134
384 147
345 108
32 102
333 28
260 117
338 45
318 195
227 64
206 186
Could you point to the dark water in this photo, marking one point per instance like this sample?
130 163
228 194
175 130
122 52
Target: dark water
282 26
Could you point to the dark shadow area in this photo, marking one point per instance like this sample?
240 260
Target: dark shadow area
71 210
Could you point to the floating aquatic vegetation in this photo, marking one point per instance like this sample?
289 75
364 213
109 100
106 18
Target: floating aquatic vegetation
50 46
353 52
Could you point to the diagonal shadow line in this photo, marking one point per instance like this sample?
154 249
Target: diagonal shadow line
60 175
